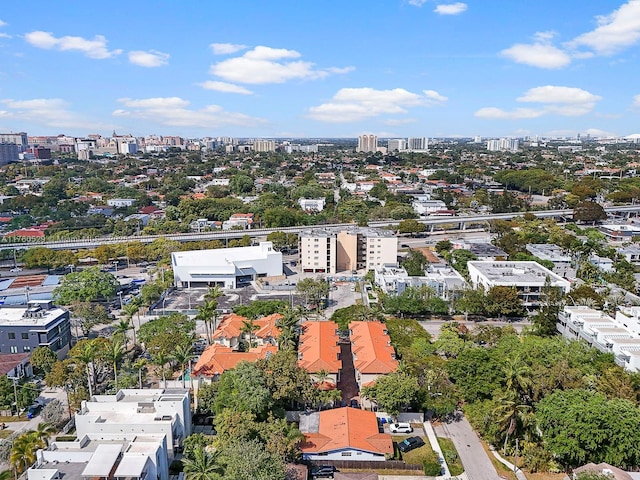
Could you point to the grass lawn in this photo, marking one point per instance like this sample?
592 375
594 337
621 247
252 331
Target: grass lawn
416 456
451 456
13 418
5 433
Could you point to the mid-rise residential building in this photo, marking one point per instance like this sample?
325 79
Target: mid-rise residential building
604 264
562 262
619 336
21 139
38 324
631 253
529 278
373 354
331 251
367 143
620 232
225 267
319 352
9 152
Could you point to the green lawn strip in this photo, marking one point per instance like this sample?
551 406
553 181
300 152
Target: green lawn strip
451 456
423 456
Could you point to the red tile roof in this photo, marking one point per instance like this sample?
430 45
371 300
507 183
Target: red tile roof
347 427
216 359
371 348
231 326
319 349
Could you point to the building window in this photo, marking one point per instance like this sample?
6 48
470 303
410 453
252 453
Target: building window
346 454
26 348
12 336
13 349
25 336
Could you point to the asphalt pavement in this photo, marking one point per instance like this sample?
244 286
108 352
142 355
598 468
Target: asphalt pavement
476 462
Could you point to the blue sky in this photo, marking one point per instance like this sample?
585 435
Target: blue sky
335 68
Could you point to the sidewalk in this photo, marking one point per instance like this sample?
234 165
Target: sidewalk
519 473
435 446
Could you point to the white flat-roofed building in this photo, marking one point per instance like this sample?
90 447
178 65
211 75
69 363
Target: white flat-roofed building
602 263
126 455
121 202
445 281
317 250
620 232
620 335
630 253
562 264
527 277
427 207
163 412
312 204
225 267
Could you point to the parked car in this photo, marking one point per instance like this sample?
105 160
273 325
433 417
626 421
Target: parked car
15 269
354 403
323 471
400 428
33 410
410 443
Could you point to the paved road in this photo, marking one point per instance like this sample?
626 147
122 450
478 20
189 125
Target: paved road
476 462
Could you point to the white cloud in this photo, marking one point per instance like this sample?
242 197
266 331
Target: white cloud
174 112
225 87
537 55
614 32
353 104
434 96
95 48
636 101
498 113
596 132
555 100
50 112
226 48
148 59
269 65
558 94
417 3
3 23
395 122
451 8
5 35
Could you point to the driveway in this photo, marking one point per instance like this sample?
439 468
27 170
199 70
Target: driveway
476 462
347 383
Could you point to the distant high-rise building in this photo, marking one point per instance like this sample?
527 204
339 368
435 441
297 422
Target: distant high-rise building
21 139
399 144
417 143
367 143
503 145
264 146
9 152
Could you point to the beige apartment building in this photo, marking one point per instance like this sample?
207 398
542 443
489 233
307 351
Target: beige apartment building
332 251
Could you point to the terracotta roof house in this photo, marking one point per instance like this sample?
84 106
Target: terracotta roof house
318 350
26 233
344 434
229 331
372 352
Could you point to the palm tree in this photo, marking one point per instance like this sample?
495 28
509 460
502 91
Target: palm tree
206 312
87 354
139 365
160 359
288 324
44 431
183 355
131 309
517 376
202 466
509 413
23 451
122 327
248 327
113 354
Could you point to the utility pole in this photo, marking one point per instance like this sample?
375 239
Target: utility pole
15 392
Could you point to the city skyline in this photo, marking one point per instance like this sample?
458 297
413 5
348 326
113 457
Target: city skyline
391 68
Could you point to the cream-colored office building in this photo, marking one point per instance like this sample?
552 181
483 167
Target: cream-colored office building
332 251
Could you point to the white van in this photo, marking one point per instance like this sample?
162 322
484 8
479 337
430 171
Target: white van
400 428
